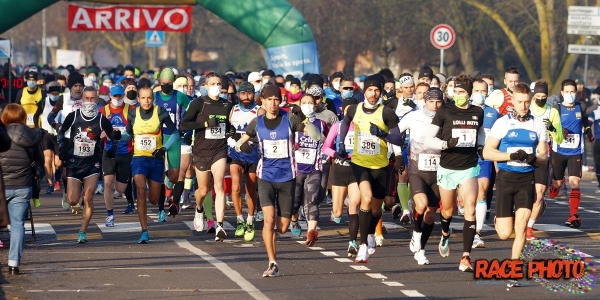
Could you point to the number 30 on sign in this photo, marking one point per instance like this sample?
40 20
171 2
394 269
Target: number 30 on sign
442 36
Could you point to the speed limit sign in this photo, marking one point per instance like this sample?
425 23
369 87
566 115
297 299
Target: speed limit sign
442 36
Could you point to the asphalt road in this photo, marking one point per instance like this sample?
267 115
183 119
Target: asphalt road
180 263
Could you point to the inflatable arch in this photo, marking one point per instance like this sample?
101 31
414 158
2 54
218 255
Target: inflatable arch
289 44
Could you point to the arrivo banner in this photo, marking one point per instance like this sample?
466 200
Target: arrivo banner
130 18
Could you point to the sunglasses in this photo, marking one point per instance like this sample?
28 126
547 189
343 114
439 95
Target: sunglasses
347 88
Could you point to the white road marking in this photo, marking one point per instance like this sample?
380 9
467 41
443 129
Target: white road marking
459 226
592 211
562 203
412 293
40 228
376 275
342 259
226 225
555 228
393 283
120 227
390 225
360 268
329 253
117 268
144 290
316 248
225 269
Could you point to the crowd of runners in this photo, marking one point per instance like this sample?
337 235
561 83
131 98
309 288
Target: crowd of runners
413 146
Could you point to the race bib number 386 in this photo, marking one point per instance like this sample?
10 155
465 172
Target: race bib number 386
368 144
466 136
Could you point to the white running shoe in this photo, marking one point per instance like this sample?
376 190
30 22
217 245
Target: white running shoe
372 244
363 254
420 257
116 195
199 221
228 202
220 234
461 210
415 242
110 221
478 242
405 218
379 240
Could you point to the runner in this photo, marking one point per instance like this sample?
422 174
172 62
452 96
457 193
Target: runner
309 192
29 97
145 124
243 164
208 117
422 169
551 118
52 163
501 99
460 128
567 154
374 125
276 168
82 154
119 167
420 90
343 183
517 142
594 119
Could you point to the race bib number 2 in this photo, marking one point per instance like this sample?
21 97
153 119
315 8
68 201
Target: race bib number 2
466 137
276 149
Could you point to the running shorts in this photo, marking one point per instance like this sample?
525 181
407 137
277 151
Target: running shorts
120 166
377 178
426 183
562 162
514 190
279 194
151 167
451 179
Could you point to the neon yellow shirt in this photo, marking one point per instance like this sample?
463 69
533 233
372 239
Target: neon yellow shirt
553 116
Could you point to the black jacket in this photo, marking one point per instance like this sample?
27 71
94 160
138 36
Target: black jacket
16 162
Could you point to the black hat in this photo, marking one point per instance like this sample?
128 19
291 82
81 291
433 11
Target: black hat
426 72
373 80
144 82
75 78
31 74
70 68
336 75
49 78
434 93
289 78
271 90
268 73
597 91
295 81
246 86
315 79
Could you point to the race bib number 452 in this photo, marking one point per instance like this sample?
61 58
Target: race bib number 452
466 136
145 142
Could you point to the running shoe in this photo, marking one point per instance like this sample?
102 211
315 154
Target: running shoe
405 218
512 283
352 249
57 186
272 271
240 228
173 209
186 204
488 214
228 202
544 206
415 242
465 264
210 226
199 221
295 228
220 234
76 209
379 240
1 244
530 234
162 216
585 168
460 210
81 237
477 241
420 257
574 221
144 238
116 195
301 216
311 237
65 203
363 254
334 219
99 189
329 200
444 246
50 190
110 221
129 209
396 211
553 192
372 244
249 234
598 191
259 216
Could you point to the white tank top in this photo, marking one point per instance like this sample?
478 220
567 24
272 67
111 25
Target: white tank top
69 106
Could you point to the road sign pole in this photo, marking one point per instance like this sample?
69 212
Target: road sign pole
154 54
442 61
585 67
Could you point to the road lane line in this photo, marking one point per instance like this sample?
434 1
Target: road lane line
225 269
376 275
360 268
393 283
344 260
412 293
329 253
592 211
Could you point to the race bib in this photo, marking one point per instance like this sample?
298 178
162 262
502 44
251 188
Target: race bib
84 149
349 140
571 141
368 144
466 137
215 133
143 142
30 122
428 162
306 156
276 149
515 163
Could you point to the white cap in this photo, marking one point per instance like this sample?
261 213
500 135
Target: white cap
65 73
441 77
88 82
175 71
532 86
254 76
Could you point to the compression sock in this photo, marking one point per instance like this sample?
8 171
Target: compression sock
574 201
445 224
208 206
57 174
480 210
373 224
177 191
129 193
187 186
161 198
404 195
426 233
364 217
468 235
353 227
109 212
419 223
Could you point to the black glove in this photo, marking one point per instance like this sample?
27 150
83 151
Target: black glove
549 125
480 151
187 138
246 148
232 130
57 126
376 131
399 164
213 122
159 153
115 135
589 134
451 143
112 152
531 159
342 152
296 110
520 155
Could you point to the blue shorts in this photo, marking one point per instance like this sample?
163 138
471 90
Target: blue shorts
486 169
151 167
405 155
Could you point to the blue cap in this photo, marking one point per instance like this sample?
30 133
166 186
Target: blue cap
117 90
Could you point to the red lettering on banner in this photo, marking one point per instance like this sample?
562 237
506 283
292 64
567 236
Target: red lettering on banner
130 18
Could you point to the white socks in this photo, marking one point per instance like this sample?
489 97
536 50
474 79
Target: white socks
480 210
